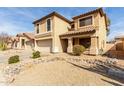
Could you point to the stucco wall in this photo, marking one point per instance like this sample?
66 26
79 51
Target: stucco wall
20 41
102 33
99 21
60 27
43 26
28 43
95 21
43 34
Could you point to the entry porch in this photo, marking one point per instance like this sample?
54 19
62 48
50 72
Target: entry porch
88 40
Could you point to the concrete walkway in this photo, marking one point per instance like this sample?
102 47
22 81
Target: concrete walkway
2 79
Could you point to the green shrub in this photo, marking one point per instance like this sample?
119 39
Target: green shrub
13 59
36 54
3 46
78 49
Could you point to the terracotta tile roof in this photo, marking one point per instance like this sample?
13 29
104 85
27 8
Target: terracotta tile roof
83 30
19 35
29 35
52 14
14 39
100 10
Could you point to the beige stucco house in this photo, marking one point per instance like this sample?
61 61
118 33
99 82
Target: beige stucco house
55 33
23 41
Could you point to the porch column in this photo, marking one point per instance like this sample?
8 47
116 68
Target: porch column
35 45
70 45
94 45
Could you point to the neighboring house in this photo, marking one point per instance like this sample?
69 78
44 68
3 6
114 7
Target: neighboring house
10 43
54 33
23 41
119 43
116 49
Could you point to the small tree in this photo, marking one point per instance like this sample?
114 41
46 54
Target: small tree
4 37
108 25
4 40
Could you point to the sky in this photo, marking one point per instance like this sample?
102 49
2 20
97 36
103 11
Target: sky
18 20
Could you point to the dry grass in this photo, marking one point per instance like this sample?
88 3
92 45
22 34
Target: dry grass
61 73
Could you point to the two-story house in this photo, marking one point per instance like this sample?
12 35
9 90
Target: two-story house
54 33
48 30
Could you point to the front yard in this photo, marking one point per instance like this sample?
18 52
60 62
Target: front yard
54 69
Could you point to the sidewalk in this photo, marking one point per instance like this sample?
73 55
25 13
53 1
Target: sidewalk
2 79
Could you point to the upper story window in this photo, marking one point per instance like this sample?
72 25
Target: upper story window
72 26
37 28
48 24
85 21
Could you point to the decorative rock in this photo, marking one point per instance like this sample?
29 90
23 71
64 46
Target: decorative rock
117 73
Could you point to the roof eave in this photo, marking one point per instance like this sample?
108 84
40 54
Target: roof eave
100 10
52 14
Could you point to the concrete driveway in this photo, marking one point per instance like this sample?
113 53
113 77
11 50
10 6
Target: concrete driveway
23 54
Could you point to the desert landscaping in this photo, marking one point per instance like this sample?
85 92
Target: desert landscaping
64 52
54 69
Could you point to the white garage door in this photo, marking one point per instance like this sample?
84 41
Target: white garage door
45 45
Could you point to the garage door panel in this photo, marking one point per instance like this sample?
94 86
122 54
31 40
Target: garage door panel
45 45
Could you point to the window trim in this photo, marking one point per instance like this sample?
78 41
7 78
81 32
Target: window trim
50 26
84 18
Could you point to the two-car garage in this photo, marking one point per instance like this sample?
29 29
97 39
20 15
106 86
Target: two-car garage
44 45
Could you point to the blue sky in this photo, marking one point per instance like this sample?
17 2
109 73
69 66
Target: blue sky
17 20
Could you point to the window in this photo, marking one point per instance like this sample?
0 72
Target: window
85 21
37 28
49 25
72 26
